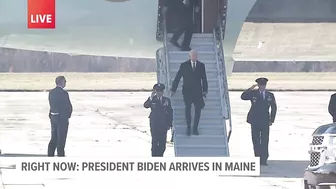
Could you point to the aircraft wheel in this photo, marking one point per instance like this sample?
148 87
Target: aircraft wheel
0 151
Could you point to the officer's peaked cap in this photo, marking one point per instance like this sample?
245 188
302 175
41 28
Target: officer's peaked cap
261 81
159 87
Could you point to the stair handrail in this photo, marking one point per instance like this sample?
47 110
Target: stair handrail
219 37
168 86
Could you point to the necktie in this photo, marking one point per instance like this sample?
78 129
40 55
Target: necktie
262 96
194 66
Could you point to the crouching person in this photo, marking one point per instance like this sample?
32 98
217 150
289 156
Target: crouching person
160 118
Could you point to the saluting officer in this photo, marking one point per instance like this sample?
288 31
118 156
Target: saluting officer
161 119
260 118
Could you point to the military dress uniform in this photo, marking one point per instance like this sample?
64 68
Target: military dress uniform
161 119
260 118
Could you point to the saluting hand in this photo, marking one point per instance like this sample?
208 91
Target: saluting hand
253 86
152 95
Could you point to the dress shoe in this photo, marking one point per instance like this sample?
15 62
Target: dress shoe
188 131
264 163
185 48
175 43
195 132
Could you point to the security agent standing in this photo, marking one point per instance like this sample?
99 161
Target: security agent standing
260 118
59 114
184 16
161 119
332 107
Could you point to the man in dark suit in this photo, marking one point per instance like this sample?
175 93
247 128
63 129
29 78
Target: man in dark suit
332 107
59 114
184 18
161 119
260 118
195 87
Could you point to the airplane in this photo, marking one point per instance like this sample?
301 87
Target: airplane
121 28
126 28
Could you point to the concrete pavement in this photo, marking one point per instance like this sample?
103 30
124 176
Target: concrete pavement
116 125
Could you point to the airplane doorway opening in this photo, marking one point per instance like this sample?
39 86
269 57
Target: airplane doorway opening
205 20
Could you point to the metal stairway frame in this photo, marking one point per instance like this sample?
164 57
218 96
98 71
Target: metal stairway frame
163 67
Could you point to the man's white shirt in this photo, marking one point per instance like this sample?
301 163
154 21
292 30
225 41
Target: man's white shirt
192 64
263 94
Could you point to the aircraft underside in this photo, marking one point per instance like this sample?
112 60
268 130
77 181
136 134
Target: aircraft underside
274 30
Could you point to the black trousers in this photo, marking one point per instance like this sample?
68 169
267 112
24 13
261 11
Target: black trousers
184 25
198 103
59 132
159 139
260 139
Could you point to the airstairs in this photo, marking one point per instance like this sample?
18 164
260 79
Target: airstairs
215 121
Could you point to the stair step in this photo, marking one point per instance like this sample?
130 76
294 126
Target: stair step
203 116
209 103
200 139
205 110
202 151
182 56
202 121
203 130
211 92
195 35
196 47
211 84
207 107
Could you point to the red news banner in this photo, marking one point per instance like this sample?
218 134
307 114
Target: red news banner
41 14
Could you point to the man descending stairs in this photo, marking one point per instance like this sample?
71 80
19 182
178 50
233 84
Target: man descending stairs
212 139
195 88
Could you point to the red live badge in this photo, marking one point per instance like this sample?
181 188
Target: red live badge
41 14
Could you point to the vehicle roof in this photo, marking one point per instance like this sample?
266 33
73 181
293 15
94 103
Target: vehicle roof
326 129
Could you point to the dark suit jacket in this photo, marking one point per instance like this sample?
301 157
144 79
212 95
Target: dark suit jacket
161 116
59 102
332 107
259 112
194 83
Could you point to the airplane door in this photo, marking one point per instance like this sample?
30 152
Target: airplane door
197 18
210 11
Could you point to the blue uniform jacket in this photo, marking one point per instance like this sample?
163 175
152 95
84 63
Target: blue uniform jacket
259 111
161 116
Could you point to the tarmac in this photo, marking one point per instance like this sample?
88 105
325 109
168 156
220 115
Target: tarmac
116 125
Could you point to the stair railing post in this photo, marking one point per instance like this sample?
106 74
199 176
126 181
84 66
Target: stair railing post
218 39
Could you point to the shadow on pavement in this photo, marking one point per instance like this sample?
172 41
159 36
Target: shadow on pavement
23 155
284 169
